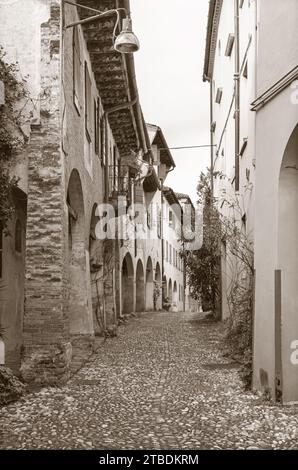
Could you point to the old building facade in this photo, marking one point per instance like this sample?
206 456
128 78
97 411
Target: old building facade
251 64
76 135
89 155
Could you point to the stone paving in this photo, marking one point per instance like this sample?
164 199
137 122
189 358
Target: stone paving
161 384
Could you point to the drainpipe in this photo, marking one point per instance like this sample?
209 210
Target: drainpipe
237 94
106 186
162 228
162 240
211 141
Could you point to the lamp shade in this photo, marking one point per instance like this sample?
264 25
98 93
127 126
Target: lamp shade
126 42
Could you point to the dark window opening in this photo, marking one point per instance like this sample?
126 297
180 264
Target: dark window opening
18 237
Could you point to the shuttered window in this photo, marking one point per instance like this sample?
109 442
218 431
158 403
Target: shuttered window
96 127
77 81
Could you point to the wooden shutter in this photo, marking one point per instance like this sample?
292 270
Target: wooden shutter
88 103
77 70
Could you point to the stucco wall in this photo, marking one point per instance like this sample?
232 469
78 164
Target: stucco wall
278 39
273 133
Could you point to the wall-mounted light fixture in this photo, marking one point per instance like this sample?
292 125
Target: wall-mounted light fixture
126 42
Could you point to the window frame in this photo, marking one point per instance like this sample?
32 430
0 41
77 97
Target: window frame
77 69
88 103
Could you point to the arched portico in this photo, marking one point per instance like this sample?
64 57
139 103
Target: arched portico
127 285
175 297
140 287
149 285
80 312
158 302
170 291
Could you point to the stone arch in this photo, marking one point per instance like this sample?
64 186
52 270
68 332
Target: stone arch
175 296
287 331
158 305
127 284
170 291
80 312
149 285
164 288
140 287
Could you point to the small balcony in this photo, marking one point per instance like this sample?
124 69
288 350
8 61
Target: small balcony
120 180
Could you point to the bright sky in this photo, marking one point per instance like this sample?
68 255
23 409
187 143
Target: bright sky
169 70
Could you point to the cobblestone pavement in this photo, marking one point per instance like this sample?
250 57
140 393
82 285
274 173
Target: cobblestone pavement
157 386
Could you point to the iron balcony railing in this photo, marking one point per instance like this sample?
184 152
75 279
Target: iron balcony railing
120 180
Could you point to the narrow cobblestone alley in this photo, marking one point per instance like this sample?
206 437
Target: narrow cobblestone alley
158 385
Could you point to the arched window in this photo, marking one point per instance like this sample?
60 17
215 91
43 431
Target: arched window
18 236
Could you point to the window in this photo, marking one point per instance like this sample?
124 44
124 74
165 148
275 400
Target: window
230 44
245 70
170 247
96 127
158 212
76 70
18 237
170 218
218 95
88 104
102 129
1 249
243 223
149 216
243 146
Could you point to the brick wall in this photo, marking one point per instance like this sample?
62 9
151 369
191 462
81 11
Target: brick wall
47 349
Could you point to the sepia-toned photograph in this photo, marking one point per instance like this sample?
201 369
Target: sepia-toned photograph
148 231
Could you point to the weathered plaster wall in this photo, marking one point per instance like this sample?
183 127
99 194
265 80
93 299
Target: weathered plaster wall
273 133
278 39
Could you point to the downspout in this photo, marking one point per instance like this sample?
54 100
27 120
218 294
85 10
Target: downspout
162 241
106 186
211 141
106 114
162 231
139 117
237 95
133 82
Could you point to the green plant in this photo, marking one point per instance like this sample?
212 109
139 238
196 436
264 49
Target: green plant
11 136
203 265
204 269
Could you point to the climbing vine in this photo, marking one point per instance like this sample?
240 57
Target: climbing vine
11 137
224 230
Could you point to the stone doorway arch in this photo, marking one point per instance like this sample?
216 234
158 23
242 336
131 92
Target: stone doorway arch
127 285
149 285
286 374
158 283
80 311
140 287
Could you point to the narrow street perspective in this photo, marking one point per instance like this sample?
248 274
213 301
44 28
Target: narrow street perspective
162 384
148 228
